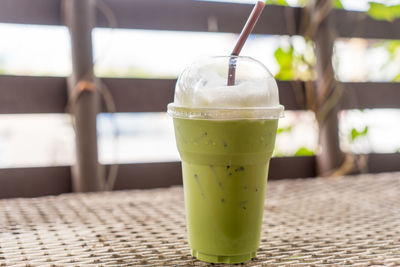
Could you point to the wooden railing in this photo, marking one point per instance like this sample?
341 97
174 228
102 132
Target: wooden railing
26 94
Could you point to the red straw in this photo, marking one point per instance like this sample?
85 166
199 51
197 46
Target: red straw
247 29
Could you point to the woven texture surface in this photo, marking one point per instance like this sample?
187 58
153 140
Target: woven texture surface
350 220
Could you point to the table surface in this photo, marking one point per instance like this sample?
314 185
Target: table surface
348 220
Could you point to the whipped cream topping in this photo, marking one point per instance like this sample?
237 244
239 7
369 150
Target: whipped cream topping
205 86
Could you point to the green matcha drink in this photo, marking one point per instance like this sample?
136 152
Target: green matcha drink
225 137
225 167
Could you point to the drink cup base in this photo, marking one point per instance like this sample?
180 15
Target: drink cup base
223 259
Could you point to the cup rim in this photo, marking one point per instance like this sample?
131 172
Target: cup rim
225 113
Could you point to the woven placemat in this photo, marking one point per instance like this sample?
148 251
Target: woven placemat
350 220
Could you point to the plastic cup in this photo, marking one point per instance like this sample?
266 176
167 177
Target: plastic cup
225 136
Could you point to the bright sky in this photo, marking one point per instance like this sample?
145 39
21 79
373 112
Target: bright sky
39 50
45 50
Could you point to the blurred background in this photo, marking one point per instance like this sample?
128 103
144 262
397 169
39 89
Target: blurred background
36 140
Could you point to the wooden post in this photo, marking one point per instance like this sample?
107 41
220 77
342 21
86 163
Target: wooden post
85 104
330 156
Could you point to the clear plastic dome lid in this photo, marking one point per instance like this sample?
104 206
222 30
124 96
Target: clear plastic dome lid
202 91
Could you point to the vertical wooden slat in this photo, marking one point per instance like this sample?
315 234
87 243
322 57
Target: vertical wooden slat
330 155
86 173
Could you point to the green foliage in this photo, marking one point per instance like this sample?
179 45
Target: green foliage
285 62
294 64
276 2
392 47
284 129
381 11
356 134
337 4
303 151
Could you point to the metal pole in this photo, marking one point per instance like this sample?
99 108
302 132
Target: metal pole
330 156
86 173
